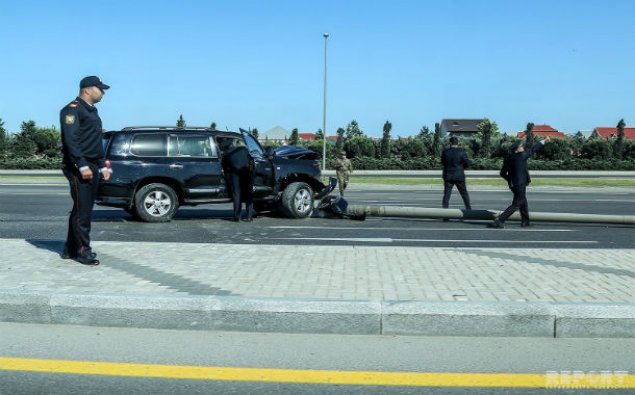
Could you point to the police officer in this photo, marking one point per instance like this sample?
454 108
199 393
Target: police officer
82 165
343 170
454 161
240 165
515 172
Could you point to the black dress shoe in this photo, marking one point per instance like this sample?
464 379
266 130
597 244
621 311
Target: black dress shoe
66 255
87 260
248 219
525 224
498 224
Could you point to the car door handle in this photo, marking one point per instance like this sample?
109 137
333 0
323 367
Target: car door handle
176 166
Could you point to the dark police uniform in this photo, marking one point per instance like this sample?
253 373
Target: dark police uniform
454 162
240 166
82 146
516 173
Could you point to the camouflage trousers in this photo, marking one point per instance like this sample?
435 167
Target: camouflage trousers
342 182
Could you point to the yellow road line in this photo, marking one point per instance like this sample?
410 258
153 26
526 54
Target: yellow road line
426 379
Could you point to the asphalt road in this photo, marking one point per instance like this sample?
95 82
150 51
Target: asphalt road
248 363
40 212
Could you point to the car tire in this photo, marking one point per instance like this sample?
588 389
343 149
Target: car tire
297 200
156 203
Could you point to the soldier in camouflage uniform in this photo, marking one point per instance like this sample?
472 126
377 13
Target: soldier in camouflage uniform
343 169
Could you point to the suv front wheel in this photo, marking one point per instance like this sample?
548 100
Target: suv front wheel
297 200
156 203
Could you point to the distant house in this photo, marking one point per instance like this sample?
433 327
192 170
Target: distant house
610 133
544 131
459 127
306 136
276 134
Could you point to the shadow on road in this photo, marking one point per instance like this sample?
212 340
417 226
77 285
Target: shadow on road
55 246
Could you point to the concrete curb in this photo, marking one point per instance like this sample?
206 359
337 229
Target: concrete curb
228 313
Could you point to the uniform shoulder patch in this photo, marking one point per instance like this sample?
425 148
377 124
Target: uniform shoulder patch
69 119
73 104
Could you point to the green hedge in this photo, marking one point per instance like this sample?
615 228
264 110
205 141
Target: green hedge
365 163
31 164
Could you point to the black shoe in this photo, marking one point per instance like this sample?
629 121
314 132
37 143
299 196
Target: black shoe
66 255
498 224
525 224
87 260
248 219
446 219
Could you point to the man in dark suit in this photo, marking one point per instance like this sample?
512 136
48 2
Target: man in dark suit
240 165
454 161
516 174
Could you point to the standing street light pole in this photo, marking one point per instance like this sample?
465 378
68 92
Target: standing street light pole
326 36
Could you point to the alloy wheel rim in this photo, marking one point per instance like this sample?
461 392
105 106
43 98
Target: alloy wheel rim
157 203
302 201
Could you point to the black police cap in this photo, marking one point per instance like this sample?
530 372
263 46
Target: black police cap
92 81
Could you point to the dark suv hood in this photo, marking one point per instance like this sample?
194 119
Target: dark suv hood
293 152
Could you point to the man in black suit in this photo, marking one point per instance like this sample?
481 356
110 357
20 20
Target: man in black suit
516 174
454 161
240 165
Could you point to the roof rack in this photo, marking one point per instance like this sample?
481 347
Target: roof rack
166 128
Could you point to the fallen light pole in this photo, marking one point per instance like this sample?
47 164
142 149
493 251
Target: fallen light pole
438 213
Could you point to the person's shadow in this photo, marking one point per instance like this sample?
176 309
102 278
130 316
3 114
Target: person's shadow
56 246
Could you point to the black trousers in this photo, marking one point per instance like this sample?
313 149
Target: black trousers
519 203
242 183
83 193
447 192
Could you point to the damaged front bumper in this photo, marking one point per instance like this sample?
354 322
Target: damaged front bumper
324 193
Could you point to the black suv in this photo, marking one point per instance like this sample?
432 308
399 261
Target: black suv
157 169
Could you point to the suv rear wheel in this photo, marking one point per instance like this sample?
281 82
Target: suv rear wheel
156 203
297 200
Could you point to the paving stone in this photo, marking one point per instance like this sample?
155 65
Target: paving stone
350 272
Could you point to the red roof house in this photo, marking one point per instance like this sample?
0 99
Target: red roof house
609 133
307 136
544 131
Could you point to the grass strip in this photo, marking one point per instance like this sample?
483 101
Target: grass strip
569 182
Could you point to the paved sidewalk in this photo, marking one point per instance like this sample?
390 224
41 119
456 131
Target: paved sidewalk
332 289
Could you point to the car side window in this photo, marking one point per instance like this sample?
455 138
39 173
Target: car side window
118 145
192 146
149 144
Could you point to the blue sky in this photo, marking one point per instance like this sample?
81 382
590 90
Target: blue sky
570 64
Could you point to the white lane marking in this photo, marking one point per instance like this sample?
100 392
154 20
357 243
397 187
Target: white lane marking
415 229
390 240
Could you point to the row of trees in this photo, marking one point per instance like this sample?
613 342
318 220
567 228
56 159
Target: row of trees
487 143
35 146
31 142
